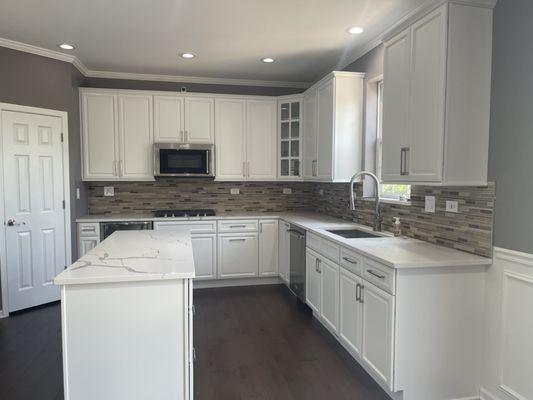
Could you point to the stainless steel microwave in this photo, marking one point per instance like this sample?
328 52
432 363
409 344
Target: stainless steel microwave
184 159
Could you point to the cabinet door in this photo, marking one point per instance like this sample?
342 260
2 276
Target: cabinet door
204 249
230 138
312 282
310 131
329 290
86 244
283 251
378 331
168 119
199 120
136 137
261 139
268 247
350 312
99 133
324 168
238 255
395 131
427 97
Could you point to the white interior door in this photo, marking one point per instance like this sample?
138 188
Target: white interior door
33 198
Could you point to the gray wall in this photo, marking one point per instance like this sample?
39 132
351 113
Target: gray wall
31 80
511 125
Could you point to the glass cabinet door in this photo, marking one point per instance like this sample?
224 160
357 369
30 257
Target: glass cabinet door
290 138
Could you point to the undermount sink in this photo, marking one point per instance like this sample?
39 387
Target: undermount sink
353 233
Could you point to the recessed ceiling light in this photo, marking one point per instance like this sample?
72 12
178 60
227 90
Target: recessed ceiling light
187 55
355 30
66 46
268 60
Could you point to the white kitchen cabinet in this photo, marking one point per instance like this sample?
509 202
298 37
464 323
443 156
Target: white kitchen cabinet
88 237
333 127
184 119
350 312
230 136
86 244
268 247
283 250
99 134
290 138
378 332
117 135
238 255
329 291
437 97
135 137
246 139
204 248
312 281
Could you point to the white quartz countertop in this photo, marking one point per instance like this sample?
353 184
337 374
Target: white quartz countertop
134 256
394 252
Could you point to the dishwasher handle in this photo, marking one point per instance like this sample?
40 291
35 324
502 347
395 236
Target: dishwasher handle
295 233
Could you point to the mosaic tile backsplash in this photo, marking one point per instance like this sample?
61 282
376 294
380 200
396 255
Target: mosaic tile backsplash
469 230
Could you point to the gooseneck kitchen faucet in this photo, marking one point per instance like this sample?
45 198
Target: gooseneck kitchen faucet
377 210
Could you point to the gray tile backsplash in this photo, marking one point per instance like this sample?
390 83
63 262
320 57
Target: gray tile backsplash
469 230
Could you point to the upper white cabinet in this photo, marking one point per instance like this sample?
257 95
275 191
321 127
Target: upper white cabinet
333 127
290 134
437 98
117 135
245 139
184 119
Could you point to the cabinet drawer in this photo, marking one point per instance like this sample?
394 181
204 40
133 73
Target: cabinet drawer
193 226
352 261
89 229
380 275
324 247
241 225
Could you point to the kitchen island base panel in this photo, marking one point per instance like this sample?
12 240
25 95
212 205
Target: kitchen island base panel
128 340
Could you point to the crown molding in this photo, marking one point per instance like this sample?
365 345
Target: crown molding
57 55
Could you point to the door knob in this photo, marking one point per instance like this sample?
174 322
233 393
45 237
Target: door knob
11 222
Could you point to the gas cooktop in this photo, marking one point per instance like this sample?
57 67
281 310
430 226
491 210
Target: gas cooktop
195 212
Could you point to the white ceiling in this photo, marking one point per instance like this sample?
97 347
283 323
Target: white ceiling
306 37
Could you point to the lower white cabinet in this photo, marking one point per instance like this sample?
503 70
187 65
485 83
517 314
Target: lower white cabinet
238 255
350 312
378 331
268 247
329 291
204 249
312 281
88 237
283 251
86 244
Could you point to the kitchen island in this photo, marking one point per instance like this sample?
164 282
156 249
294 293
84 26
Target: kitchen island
126 311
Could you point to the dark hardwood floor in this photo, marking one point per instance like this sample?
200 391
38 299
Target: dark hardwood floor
251 343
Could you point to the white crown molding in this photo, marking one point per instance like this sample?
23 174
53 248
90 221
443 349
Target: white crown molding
57 55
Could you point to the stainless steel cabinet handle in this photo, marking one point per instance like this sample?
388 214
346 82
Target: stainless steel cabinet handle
237 240
361 293
248 170
121 168
350 260
403 161
237 226
313 168
244 169
371 272
115 173
318 265
358 292
90 229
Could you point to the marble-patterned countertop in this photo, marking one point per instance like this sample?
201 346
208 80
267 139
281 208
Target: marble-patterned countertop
127 256
392 251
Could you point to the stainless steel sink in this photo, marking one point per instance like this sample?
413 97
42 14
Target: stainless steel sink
353 233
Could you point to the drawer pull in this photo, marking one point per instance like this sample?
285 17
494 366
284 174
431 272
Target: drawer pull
237 226
237 240
93 229
371 272
350 260
358 292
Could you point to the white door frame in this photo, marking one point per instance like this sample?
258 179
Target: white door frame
66 193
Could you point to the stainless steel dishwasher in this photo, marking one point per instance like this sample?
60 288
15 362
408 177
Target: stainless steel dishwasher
297 262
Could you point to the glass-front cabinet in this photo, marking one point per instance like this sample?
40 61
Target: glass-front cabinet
290 137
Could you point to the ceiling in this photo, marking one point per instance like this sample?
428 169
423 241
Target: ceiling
307 38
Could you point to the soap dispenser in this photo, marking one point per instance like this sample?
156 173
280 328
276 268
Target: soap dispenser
396 229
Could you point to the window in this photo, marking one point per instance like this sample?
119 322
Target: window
387 191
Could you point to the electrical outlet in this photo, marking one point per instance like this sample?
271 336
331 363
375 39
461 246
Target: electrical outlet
452 206
235 191
430 204
321 192
109 191
287 190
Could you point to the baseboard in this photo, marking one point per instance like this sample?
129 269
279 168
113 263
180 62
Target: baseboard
484 394
275 280
2 315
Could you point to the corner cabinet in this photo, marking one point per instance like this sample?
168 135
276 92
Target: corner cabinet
333 127
436 101
290 135
117 135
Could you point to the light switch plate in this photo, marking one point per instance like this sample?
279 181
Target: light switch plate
452 206
234 191
287 190
109 191
430 204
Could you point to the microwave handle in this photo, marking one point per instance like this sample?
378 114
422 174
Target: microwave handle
207 162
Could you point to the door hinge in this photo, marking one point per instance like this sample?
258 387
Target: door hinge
63 204
62 138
